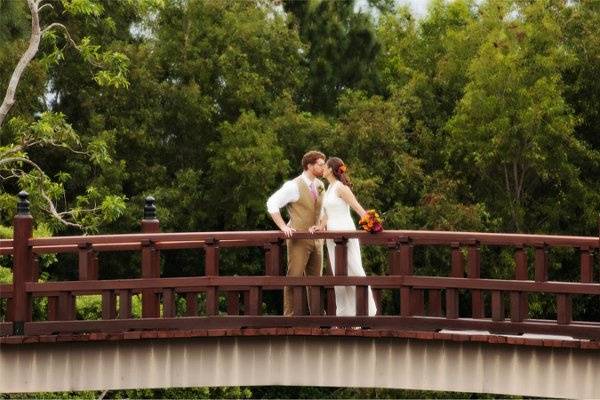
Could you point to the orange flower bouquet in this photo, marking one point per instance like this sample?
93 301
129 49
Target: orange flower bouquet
371 222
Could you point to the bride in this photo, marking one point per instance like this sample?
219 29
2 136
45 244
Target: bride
336 216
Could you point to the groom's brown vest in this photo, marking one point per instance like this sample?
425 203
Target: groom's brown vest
305 212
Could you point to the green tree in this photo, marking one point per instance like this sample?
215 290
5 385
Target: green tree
342 48
513 119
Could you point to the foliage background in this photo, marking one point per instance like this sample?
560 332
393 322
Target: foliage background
479 116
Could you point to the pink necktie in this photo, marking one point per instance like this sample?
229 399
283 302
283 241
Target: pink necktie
313 191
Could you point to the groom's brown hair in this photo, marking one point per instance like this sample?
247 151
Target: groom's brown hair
311 158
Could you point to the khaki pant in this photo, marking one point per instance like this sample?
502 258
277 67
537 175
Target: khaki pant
305 258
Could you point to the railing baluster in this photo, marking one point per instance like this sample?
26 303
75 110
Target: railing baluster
254 300
52 308
233 303
66 306
315 300
497 306
124 304
246 299
191 304
362 304
377 293
417 302
434 308
168 297
564 309
212 301
298 300
108 304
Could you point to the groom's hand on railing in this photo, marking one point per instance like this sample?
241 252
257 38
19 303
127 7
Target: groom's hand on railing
287 231
316 228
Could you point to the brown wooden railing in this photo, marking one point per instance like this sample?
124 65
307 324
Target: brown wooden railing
426 302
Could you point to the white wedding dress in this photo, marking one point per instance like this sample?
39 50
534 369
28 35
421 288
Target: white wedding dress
339 219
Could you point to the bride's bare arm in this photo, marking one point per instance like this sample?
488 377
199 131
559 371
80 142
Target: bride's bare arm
346 194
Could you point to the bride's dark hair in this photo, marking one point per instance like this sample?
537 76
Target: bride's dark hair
339 170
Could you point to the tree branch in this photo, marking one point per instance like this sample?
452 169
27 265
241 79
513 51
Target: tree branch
32 49
64 28
52 211
45 5
21 159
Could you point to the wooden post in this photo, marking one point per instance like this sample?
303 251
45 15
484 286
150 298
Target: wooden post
150 259
341 256
541 262
457 261
86 262
474 264
22 264
394 255
329 292
457 271
211 257
519 302
586 263
406 268
273 257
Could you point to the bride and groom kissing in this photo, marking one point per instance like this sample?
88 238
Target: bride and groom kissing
313 208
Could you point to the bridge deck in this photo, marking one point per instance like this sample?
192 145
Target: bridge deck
444 335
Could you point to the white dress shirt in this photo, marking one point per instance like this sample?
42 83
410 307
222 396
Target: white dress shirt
289 193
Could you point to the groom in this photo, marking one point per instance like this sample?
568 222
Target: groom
302 197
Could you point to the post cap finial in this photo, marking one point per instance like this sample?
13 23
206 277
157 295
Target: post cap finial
23 203
149 208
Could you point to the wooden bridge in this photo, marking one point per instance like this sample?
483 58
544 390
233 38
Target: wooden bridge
468 331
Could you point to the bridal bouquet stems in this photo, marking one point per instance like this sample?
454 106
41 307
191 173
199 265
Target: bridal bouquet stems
371 222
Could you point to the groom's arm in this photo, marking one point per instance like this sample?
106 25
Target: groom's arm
288 193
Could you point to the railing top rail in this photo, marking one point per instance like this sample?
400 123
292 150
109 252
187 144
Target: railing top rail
414 236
